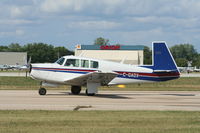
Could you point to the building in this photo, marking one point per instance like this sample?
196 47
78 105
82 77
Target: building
13 58
118 53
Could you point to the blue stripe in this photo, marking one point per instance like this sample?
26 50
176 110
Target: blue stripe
62 71
156 79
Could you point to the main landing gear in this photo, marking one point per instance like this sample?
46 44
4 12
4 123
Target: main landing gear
76 90
42 91
89 94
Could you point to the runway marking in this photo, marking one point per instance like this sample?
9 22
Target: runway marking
81 107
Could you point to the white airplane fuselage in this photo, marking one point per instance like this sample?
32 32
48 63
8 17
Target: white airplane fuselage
55 73
92 73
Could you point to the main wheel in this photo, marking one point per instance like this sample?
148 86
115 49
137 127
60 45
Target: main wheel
89 94
42 91
76 90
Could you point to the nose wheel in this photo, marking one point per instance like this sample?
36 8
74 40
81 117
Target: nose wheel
42 91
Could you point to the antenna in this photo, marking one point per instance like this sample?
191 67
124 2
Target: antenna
139 58
122 61
82 53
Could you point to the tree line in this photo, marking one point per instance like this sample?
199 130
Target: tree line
182 53
39 52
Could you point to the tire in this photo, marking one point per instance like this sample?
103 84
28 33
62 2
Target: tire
89 94
76 90
42 91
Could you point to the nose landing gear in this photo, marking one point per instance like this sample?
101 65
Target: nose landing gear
42 91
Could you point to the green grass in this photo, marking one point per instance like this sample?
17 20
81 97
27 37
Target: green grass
18 83
99 122
182 84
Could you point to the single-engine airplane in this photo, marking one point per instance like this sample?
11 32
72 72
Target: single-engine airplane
93 73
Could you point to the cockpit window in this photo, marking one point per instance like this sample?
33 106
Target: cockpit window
72 62
85 63
60 61
94 64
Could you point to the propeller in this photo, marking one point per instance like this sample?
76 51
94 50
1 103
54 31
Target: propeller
28 67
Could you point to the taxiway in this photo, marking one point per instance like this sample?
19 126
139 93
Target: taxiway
105 100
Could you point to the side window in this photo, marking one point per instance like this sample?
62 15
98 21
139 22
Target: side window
94 64
72 63
60 61
85 63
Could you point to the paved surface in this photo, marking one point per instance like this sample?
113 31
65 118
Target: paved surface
190 75
105 100
13 74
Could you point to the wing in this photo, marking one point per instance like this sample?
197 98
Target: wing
96 77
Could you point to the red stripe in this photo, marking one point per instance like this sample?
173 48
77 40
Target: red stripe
150 74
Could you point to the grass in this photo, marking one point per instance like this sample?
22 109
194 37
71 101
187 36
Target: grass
99 122
182 84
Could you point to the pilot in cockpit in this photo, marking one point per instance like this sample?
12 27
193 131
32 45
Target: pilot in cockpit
70 62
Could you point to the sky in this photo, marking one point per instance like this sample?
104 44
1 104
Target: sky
128 22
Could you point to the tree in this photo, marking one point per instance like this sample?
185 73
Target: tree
14 47
62 51
181 62
4 49
147 56
186 51
40 52
196 61
101 41
183 53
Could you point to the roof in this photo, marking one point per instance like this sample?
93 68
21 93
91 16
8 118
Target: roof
110 47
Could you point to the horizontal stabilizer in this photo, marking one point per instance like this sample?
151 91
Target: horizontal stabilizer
164 71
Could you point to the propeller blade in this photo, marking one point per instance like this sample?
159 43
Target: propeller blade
29 61
28 67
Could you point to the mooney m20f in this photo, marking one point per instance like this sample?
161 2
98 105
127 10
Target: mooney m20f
93 73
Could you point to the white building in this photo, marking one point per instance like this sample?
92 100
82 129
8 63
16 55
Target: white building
13 58
117 53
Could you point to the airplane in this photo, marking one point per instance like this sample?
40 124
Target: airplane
23 67
196 69
5 67
91 73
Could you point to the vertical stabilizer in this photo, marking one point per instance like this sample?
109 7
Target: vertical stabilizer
162 58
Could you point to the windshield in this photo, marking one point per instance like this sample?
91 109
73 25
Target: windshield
60 61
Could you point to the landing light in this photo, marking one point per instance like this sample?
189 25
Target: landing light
121 86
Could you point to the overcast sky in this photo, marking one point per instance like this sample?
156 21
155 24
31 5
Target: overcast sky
128 22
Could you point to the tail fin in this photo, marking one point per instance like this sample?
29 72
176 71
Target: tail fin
162 58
